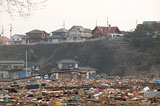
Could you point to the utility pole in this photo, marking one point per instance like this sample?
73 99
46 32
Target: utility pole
26 64
10 30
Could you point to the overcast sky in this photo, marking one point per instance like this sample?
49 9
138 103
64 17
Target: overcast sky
121 13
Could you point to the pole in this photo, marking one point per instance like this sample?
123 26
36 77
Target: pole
96 22
107 22
136 23
10 30
2 33
63 23
26 65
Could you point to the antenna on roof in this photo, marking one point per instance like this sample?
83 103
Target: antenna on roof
2 31
63 23
10 30
96 22
107 22
136 23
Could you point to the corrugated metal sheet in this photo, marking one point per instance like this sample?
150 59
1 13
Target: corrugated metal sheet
152 94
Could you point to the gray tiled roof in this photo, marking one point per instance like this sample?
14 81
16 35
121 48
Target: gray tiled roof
36 31
60 30
87 30
86 68
19 35
67 61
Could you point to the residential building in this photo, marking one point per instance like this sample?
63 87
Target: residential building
33 67
87 33
18 39
36 36
4 40
12 68
103 32
149 22
78 34
17 68
58 36
70 70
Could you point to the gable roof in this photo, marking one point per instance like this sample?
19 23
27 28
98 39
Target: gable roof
80 28
76 27
60 30
87 30
4 38
19 35
67 61
12 61
36 31
106 30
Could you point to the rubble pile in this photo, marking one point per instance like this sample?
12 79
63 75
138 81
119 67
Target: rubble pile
117 92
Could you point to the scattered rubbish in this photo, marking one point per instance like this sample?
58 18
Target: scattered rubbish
79 92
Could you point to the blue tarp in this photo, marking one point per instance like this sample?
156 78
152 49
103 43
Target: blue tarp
156 81
21 75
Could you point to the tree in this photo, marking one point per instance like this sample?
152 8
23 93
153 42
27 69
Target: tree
21 7
148 29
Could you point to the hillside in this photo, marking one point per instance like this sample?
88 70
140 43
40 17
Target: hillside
111 57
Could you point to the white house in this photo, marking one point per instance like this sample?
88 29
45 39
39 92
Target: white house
18 39
78 34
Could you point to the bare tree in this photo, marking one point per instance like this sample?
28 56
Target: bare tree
21 7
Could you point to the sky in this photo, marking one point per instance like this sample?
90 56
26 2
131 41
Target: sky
86 13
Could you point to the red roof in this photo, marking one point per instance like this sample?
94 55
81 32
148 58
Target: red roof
4 38
106 30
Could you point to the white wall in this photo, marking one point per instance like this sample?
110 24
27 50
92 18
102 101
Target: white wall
16 38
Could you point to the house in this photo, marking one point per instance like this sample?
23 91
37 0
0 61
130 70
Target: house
12 68
35 36
17 68
70 70
4 40
18 39
58 36
103 32
33 67
78 34
149 22
87 33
